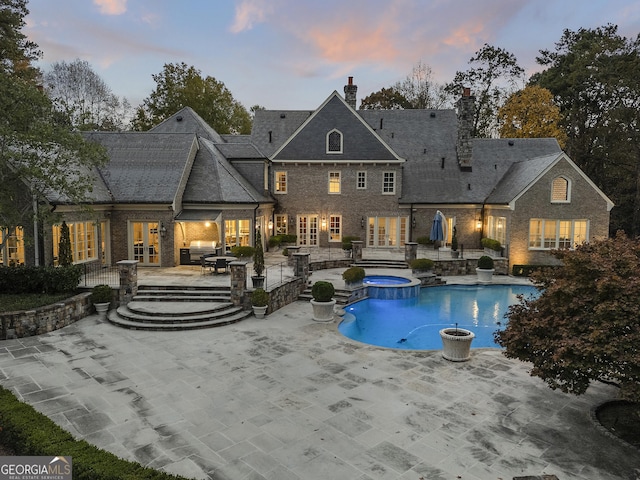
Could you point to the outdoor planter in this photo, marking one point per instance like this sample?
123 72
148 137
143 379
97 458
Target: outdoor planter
485 269
353 277
322 301
456 344
259 302
259 312
101 296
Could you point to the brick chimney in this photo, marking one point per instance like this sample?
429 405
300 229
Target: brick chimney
465 106
350 91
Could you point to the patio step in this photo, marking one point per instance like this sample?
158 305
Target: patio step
341 296
168 315
376 263
182 294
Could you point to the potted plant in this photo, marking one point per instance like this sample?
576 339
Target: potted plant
353 277
259 302
421 265
258 262
242 251
101 296
456 344
323 301
485 268
454 243
347 246
491 246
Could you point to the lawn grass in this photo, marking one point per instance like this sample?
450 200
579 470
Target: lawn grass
28 301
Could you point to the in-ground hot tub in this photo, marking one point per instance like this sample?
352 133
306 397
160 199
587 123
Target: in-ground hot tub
390 287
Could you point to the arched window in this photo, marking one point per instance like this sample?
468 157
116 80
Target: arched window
334 142
560 190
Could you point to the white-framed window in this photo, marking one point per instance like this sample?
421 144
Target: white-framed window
281 225
386 231
497 228
361 180
335 228
560 190
547 234
280 181
237 232
388 183
334 141
83 237
12 251
334 182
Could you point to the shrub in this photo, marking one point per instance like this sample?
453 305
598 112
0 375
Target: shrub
454 240
485 262
101 294
424 241
242 251
281 239
422 264
353 274
322 291
39 279
259 298
274 241
346 242
285 252
258 255
491 244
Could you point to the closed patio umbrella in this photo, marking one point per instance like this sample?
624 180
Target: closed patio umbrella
438 228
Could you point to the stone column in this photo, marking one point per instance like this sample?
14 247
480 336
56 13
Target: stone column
301 267
238 283
356 250
410 251
290 259
128 270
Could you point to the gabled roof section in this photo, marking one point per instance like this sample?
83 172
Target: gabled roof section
271 128
145 167
186 120
214 180
360 141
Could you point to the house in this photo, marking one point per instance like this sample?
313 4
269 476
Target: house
323 174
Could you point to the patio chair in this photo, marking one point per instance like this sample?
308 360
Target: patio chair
221 263
204 265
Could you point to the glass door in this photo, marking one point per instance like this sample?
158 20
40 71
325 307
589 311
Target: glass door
308 230
386 231
145 246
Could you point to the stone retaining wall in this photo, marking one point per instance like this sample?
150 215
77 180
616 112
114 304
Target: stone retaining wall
45 319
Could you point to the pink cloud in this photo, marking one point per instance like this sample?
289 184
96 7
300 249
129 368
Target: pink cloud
250 12
111 7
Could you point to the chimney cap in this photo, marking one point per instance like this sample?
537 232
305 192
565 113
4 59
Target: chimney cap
466 92
350 80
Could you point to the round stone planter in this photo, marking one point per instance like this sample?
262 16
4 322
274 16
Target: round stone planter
102 309
456 344
259 312
485 275
323 311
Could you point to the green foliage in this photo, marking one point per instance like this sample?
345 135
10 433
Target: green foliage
353 274
49 280
17 52
285 252
527 270
385 99
65 257
259 298
422 265
283 238
322 291
29 301
242 251
101 294
31 433
258 255
178 86
346 242
454 239
491 244
425 241
485 262
585 326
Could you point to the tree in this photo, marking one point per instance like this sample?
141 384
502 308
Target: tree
79 92
531 113
178 86
584 326
492 81
65 256
385 99
16 52
593 76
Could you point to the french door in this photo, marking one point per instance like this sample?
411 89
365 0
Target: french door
386 231
145 243
308 230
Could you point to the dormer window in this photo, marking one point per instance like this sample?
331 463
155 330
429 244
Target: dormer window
334 142
560 190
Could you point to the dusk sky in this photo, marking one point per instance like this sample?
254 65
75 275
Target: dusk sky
291 54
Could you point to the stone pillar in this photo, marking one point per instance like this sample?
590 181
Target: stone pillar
301 267
356 250
128 270
291 262
238 282
410 252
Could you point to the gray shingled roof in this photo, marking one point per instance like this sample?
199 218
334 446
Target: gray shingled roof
271 128
186 120
144 167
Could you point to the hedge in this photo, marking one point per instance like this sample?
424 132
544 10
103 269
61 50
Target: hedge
40 279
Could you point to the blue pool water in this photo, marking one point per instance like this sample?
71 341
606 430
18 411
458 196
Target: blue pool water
384 280
414 323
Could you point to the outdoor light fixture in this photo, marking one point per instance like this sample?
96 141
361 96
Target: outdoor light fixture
163 230
324 223
478 220
413 222
207 224
362 222
270 224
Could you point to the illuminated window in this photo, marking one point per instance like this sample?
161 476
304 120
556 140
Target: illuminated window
334 142
280 182
335 228
281 225
12 247
560 190
545 234
236 232
83 237
334 182
497 228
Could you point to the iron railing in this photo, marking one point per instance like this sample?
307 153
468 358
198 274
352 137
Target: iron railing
97 274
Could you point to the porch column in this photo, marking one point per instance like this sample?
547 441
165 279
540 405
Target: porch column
357 250
410 251
128 270
301 267
238 283
291 262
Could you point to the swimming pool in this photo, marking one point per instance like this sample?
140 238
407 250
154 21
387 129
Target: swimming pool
414 323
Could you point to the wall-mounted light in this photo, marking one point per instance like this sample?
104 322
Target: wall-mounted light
270 224
479 220
362 222
324 223
413 222
207 224
163 230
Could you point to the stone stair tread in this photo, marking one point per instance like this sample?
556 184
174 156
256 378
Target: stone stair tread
148 313
181 298
183 291
185 325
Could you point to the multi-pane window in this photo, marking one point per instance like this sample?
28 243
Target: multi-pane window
361 182
83 237
551 234
334 142
334 182
497 228
236 232
280 182
12 247
560 190
281 225
335 228
389 183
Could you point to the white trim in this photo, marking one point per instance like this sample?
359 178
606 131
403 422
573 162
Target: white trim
327 142
567 193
